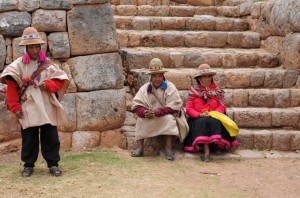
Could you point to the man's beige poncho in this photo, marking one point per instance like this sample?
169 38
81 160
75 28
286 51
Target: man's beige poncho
41 107
164 125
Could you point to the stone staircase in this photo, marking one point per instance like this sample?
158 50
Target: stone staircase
260 95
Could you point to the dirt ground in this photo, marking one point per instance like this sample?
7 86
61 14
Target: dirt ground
113 173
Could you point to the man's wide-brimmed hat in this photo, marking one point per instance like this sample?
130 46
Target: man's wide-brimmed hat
156 67
31 36
204 70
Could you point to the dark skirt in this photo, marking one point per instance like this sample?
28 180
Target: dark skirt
207 130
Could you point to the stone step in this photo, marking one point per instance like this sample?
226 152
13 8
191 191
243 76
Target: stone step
236 2
249 82
257 139
256 117
199 22
176 11
143 2
139 57
267 139
172 38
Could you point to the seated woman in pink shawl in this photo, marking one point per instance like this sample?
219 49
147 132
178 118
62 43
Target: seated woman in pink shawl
154 104
206 131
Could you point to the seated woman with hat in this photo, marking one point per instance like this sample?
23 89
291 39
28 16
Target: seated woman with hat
154 104
206 131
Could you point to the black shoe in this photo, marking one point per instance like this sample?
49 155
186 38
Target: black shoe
54 171
27 172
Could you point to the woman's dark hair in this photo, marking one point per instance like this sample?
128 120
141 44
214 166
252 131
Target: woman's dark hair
198 81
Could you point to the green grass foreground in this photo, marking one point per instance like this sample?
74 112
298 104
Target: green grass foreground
109 173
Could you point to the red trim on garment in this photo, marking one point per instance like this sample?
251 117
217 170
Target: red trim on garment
12 96
55 85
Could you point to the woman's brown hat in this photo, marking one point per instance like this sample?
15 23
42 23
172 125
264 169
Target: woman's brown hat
30 37
204 70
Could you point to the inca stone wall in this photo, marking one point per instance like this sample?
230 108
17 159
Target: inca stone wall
81 39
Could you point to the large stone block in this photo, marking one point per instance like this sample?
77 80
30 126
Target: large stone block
141 23
172 39
253 117
273 79
28 5
245 139
100 110
59 45
261 98
94 72
113 138
181 79
49 20
295 142
169 23
291 52
13 23
8 5
288 117
10 146
65 140
282 98
237 78
69 103
56 4
263 139
101 38
146 10
240 97
281 140
85 139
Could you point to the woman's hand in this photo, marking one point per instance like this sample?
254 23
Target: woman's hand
204 114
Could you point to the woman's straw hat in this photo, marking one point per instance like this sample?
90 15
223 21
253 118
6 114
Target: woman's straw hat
156 67
30 37
204 70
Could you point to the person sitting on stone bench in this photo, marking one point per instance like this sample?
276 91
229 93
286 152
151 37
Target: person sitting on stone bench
206 131
154 104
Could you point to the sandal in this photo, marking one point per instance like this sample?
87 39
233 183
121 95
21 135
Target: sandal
27 171
137 153
170 155
205 158
54 171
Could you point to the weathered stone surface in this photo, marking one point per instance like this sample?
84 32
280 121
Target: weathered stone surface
229 11
291 52
85 139
237 78
59 45
245 139
195 39
261 98
136 60
224 24
282 98
94 72
169 23
205 22
287 118
295 142
245 8
68 103
162 11
234 39
263 139
56 4
9 55
295 97
250 40
176 59
101 38
240 98
13 23
211 10
182 11
90 1
256 10
253 117
113 138
281 141
213 59
228 97
216 39
65 140
49 20
126 10
28 5
100 110
273 79
172 39
10 146
2 52
181 80
141 23
8 5
146 10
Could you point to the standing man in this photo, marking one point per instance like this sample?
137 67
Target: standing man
35 85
